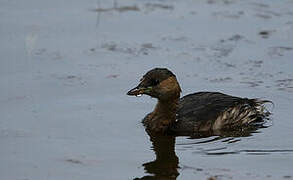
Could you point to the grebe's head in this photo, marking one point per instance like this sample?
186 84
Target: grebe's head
160 83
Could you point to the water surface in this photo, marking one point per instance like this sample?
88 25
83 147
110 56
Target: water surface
66 66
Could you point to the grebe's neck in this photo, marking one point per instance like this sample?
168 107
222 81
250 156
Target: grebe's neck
163 115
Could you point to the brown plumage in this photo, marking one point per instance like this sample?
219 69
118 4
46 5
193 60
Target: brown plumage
198 112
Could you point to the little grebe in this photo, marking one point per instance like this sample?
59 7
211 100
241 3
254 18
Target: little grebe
198 112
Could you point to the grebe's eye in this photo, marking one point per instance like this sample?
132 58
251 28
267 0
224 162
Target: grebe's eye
154 82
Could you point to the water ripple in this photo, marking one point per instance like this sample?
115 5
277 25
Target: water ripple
245 151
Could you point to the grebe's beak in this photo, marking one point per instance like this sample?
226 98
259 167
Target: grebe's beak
139 91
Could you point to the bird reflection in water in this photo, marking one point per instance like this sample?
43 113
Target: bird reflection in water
166 164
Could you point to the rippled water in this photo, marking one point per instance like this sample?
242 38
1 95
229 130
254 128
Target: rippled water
66 66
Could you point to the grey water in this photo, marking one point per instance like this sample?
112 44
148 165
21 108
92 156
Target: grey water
66 66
